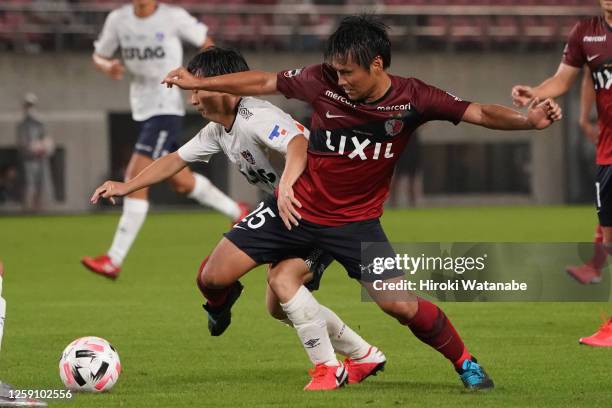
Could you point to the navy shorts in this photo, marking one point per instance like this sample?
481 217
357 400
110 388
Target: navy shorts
263 236
158 136
603 192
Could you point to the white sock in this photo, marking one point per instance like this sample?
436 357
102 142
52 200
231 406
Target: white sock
205 192
134 214
305 313
344 340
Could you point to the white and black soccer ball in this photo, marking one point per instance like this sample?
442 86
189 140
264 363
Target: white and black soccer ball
89 364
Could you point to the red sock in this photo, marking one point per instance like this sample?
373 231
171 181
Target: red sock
432 327
215 297
600 254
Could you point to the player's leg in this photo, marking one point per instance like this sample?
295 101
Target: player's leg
218 281
134 213
362 359
426 321
260 238
307 317
199 188
590 272
2 304
603 191
7 396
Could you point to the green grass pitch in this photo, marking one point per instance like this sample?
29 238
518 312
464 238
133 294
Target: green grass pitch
152 314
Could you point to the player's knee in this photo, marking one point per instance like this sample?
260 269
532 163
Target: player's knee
402 311
181 187
212 276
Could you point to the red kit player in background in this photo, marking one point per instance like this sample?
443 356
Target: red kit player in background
589 45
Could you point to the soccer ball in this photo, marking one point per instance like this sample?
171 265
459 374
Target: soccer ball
89 364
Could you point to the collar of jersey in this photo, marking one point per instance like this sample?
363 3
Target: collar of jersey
235 115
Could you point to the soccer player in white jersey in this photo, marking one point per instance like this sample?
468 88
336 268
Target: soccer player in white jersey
244 129
149 35
8 395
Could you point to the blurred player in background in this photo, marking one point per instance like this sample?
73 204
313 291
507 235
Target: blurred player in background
589 44
363 118
149 35
245 129
7 392
35 148
408 176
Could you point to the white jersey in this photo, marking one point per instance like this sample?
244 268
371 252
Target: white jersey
150 48
259 126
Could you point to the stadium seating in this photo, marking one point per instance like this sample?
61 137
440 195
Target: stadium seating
446 23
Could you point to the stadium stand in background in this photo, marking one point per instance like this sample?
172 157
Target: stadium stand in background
49 25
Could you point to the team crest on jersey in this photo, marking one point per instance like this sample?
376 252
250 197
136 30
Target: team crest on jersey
245 113
292 73
394 126
159 36
248 157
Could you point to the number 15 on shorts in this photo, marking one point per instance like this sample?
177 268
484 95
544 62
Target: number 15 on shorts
257 217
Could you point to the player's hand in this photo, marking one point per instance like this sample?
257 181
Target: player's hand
287 204
181 78
116 69
109 190
542 114
522 95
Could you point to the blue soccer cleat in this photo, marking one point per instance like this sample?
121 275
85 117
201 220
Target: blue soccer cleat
220 317
474 377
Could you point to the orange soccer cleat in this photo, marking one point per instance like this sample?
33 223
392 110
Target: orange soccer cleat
361 368
601 338
102 265
584 274
326 377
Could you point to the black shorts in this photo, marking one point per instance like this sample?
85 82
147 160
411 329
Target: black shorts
158 136
603 195
263 236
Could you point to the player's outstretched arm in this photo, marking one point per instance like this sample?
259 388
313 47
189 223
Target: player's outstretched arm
155 172
111 67
552 87
540 116
295 163
248 83
587 100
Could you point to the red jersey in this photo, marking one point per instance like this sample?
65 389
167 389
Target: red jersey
590 43
353 147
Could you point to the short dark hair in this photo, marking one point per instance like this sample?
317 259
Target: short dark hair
214 61
361 38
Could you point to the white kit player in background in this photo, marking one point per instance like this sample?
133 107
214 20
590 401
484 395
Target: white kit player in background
149 35
7 392
245 130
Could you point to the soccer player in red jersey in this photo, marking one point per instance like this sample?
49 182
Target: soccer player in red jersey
589 272
589 44
363 117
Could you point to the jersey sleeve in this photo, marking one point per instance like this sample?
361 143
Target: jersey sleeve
436 104
573 54
108 41
201 147
275 129
189 28
304 84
